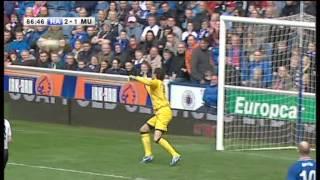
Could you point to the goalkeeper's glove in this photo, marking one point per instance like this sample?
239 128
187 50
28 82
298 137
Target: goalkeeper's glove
132 78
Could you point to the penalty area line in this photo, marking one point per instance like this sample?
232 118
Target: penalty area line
74 171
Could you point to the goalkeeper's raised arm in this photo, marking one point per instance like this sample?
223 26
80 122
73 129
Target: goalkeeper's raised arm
146 81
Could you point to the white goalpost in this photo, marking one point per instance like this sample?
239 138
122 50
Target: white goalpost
266 85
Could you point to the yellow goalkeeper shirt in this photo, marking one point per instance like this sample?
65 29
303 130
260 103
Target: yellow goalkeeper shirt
157 92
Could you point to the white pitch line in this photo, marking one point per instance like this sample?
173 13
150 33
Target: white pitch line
75 171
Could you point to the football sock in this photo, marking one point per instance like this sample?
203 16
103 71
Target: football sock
167 146
145 138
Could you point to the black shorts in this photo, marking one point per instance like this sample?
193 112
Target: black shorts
5 159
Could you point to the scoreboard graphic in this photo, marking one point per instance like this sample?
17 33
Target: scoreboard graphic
59 21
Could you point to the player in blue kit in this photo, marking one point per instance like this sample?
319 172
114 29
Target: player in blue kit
305 167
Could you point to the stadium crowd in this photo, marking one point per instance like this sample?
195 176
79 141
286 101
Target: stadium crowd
134 38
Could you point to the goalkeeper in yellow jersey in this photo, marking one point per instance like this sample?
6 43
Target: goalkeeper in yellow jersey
160 121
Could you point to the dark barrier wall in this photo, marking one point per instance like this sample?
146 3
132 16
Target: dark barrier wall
101 115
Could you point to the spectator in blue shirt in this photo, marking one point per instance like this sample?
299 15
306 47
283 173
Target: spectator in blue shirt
19 44
79 34
210 97
258 61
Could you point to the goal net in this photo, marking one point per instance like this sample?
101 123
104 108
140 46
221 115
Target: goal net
266 96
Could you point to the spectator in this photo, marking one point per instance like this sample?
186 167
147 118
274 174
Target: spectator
139 59
104 67
56 61
210 97
115 68
204 31
133 28
294 70
291 8
152 26
200 62
71 63
282 81
43 12
94 65
259 60
60 8
19 44
49 41
154 59
104 33
123 40
176 30
89 6
77 49
306 84
177 70
133 46
256 79
13 58
281 55
130 69
79 34
167 61
91 31
64 48
14 23
102 16
207 77
153 12
106 53
269 13
189 18
202 14
255 14
82 66
180 12
189 31
116 27
145 70
27 59
172 43
191 45
123 11
135 10
163 36
112 9
43 60
167 11
121 54
86 53
37 6
234 58
7 39
150 41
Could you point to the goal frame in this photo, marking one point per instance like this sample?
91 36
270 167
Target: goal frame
222 63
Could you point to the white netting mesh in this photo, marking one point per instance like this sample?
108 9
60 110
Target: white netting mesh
276 66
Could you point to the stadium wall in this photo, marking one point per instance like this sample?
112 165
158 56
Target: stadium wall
101 115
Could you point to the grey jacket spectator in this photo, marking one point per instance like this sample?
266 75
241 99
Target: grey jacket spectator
200 61
133 28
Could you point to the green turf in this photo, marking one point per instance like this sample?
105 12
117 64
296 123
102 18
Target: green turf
118 153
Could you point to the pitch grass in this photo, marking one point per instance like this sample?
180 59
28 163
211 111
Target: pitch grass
118 153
